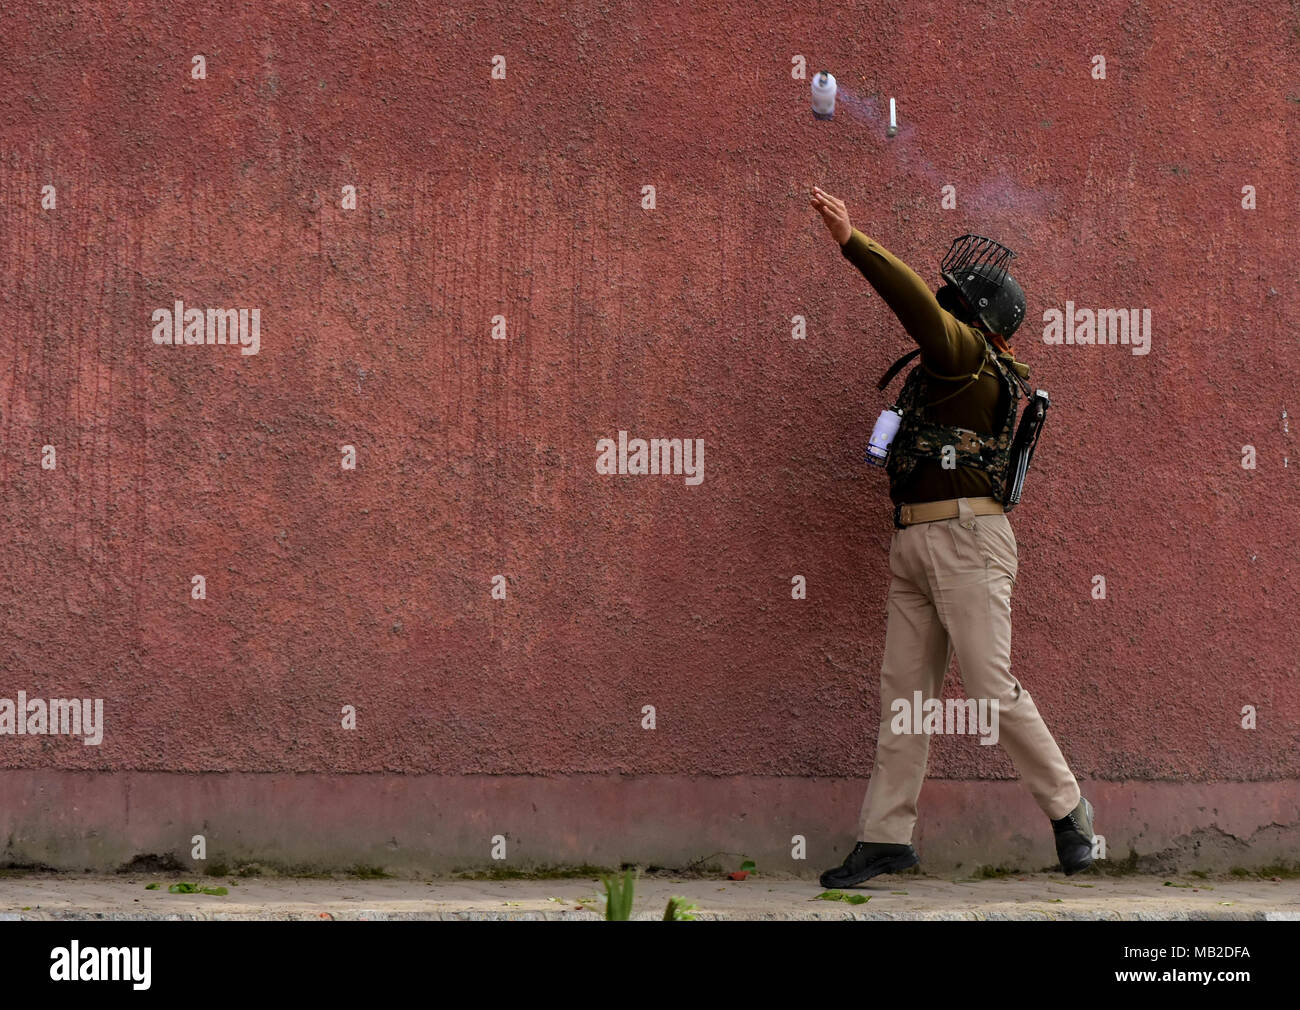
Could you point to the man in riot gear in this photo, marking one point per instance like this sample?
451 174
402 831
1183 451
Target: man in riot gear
953 558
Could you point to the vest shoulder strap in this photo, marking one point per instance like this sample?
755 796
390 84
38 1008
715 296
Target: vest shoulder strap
986 354
895 368
1018 372
985 357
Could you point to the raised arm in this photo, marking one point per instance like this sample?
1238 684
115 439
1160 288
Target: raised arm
947 345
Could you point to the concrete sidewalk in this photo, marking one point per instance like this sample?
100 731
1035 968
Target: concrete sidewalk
763 897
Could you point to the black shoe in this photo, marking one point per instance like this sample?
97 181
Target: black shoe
867 860
1074 838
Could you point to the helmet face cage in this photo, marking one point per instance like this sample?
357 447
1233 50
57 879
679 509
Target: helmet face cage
976 266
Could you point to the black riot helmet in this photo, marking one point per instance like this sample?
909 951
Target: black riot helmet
975 268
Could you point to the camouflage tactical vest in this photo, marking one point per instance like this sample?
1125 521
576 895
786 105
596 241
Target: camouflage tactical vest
920 438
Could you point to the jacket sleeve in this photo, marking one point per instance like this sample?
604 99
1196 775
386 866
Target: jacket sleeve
948 346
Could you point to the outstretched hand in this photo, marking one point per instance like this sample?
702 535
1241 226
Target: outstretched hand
834 214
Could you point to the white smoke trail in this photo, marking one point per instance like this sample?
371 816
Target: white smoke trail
996 193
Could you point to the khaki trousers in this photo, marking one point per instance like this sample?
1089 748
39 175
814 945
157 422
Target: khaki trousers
951 593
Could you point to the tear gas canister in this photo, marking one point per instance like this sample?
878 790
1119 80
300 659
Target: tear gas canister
882 435
823 95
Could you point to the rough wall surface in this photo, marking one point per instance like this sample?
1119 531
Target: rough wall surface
523 197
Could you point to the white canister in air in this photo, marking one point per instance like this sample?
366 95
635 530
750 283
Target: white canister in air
823 95
882 435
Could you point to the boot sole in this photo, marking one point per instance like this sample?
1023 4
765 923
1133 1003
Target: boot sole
893 865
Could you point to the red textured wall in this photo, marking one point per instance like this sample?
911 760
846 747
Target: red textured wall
476 457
